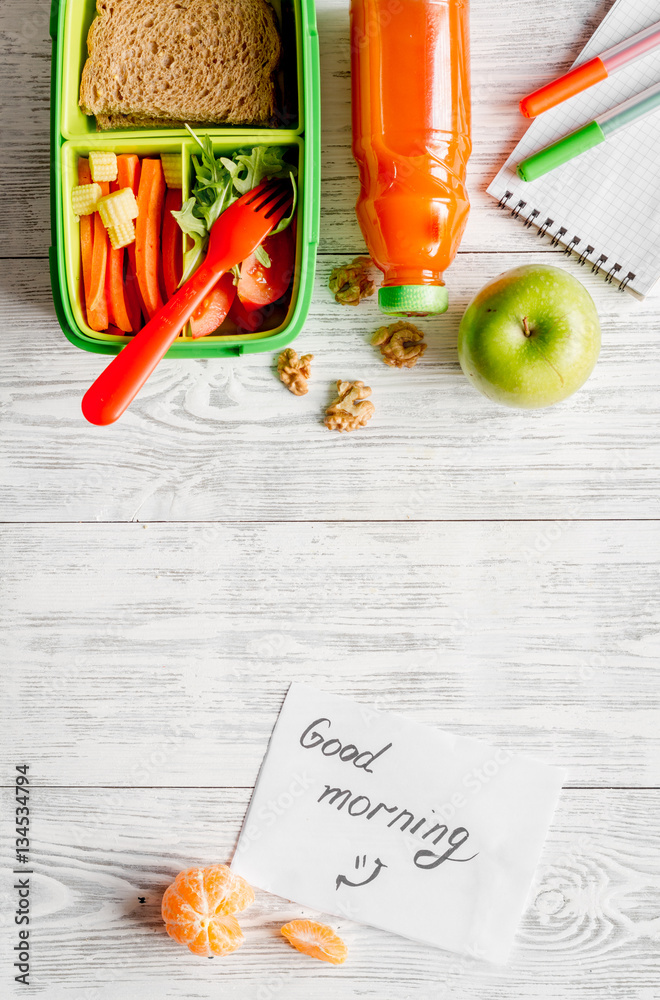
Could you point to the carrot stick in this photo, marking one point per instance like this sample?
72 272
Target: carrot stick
161 279
84 173
171 242
128 175
117 305
132 296
147 232
86 232
128 172
135 294
97 304
114 284
108 300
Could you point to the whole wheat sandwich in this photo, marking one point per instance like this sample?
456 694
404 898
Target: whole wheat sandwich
157 62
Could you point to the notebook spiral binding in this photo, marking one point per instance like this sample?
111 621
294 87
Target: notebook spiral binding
610 275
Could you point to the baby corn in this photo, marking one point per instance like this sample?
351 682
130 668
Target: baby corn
85 198
103 166
118 208
121 235
172 169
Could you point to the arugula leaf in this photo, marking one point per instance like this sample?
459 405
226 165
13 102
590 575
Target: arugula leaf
188 221
262 256
193 257
247 169
220 181
288 219
194 227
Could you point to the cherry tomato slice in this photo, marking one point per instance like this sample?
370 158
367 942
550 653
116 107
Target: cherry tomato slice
245 322
259 285
208 316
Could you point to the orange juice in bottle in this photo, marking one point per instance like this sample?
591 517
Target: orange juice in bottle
411 141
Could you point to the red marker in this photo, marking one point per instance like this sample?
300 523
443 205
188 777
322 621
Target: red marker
589 73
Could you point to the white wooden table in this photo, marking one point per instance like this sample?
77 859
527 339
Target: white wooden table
485 570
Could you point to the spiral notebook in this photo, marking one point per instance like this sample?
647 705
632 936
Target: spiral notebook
604 206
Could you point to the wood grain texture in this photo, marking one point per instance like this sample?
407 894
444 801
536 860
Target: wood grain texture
160 655
591 927
223 439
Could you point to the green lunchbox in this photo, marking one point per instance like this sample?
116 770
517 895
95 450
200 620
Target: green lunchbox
73 134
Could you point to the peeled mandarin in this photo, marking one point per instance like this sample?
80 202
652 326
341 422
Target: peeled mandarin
199 907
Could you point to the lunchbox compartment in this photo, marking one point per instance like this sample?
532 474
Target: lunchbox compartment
288 115
280 312
282 315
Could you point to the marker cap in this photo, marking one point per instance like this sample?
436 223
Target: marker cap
579 79
560 152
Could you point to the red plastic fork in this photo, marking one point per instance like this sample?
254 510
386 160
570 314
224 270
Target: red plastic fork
236 234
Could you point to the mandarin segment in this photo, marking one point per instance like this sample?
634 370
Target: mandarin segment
225 935
198 909
226 891
316 940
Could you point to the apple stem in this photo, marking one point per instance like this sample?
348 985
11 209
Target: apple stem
528 333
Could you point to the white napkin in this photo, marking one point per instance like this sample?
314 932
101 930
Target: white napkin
366 815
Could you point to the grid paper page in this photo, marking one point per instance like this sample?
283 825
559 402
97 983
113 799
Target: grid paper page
604 204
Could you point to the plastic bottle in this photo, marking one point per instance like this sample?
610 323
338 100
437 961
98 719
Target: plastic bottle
411 141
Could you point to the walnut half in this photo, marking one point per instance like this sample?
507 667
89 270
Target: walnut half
294 371
351 409
401 344
350 283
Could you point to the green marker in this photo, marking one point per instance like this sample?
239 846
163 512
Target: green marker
590 135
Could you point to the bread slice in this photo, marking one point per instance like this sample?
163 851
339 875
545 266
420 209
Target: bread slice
204 61
114 122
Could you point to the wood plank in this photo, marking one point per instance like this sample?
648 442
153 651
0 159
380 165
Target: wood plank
160 654
222 439
591 926
500 77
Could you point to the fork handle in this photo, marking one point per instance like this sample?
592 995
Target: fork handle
115 388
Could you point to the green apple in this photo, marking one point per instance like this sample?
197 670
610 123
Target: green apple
530 337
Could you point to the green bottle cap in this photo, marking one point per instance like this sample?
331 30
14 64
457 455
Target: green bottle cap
411 300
